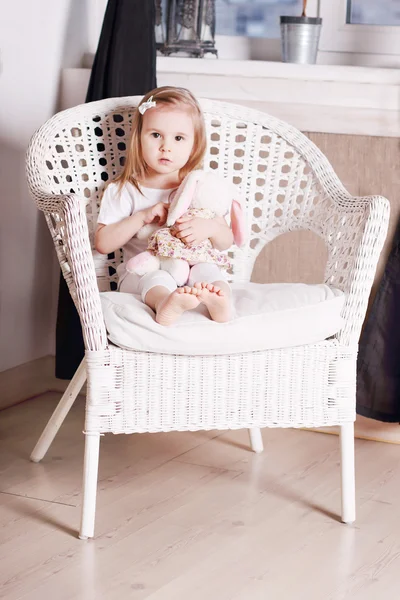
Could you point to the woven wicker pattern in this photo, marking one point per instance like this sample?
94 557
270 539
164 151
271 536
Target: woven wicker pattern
153 392
286 184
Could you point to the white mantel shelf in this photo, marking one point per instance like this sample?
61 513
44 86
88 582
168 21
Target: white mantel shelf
314 98
278 70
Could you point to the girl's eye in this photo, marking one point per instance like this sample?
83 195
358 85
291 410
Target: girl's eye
155 134
178 138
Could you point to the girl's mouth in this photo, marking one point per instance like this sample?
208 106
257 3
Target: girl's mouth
164 161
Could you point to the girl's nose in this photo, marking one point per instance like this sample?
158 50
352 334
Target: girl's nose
165 146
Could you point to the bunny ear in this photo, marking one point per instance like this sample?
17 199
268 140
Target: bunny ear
238 223
183 198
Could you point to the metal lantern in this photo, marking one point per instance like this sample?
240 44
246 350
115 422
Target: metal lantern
185 26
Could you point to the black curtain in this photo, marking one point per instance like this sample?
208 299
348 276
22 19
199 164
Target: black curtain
378 368
124 65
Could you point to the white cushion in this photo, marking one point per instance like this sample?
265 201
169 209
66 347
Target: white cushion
267 316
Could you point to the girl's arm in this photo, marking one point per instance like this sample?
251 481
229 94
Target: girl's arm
222 239
109 238
193 231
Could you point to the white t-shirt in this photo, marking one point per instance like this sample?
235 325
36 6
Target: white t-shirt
117 205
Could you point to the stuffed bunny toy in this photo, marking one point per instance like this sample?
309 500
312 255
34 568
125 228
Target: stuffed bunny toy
200 194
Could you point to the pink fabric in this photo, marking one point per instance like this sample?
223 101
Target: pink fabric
238 224
182 199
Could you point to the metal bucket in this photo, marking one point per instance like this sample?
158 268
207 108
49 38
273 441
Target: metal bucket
300 38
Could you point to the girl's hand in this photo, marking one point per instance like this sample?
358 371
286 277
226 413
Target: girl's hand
193 230
157 213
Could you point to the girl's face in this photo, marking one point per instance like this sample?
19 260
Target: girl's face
167 139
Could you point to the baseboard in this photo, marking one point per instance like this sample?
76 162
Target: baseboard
368 429
28 380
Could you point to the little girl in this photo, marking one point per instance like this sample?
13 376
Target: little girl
168 141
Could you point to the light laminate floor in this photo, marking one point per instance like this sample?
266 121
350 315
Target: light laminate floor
194 516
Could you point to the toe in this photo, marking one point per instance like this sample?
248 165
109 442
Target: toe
198 285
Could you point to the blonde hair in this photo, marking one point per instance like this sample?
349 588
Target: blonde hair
135 167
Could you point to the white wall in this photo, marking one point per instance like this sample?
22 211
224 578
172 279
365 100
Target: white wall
37 39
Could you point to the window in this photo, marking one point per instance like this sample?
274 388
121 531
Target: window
373 12
253 18
360 32
362 27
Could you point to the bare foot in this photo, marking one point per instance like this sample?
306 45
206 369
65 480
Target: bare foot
174 305
216 300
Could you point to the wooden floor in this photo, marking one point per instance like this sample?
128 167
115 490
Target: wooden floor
194 516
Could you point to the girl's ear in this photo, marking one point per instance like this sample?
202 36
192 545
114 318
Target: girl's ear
183 198
238 224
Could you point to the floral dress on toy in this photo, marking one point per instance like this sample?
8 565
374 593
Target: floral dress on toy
163 244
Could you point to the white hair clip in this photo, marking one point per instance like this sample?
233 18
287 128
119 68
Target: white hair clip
150 103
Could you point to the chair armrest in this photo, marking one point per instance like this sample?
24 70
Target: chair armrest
355 262
66 219
354 229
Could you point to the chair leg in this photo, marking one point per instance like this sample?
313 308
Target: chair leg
89 488
347 473
256 441
58 416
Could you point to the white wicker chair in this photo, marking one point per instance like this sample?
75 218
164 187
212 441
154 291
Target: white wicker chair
288 184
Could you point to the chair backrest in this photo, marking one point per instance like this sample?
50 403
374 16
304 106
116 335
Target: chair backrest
279 172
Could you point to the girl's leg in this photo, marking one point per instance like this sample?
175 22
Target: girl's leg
214 290
158 290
